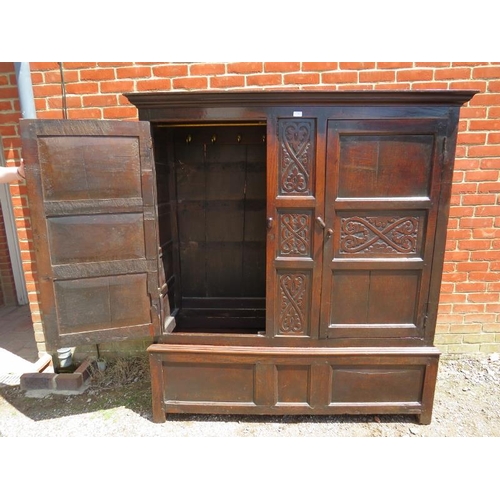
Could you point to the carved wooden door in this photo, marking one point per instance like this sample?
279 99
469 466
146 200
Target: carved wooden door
382 196
91 191
295 228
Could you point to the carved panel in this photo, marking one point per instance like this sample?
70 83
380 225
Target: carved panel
296 169
295 234
379 234
294 291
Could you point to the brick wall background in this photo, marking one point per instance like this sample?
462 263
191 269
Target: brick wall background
7 285
9 135
469 319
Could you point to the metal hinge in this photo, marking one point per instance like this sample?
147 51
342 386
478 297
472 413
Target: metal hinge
162 291
443 160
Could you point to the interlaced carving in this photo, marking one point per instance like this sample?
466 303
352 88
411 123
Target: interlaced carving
293 303
379 234
295 234
296 158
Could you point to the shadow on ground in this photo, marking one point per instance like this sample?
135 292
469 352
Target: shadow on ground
137 398
118 403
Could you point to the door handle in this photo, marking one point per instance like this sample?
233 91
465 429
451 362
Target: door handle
321 222
329 233
269 223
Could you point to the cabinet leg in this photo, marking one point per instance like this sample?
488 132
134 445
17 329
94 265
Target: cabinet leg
428 391
425 418
155 365
159 416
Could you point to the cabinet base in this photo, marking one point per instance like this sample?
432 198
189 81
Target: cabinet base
292 381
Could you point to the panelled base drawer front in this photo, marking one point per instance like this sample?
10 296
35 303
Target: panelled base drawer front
279 381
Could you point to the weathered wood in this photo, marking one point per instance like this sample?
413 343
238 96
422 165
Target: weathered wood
207 100
356 217
265 384
394 160
429 388
155 365
92 200
342 220
267 381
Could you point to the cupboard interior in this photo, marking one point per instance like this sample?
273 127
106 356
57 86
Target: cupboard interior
211 195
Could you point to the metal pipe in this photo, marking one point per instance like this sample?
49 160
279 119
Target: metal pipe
25 89
27 102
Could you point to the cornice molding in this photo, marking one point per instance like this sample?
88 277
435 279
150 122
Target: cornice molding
292 98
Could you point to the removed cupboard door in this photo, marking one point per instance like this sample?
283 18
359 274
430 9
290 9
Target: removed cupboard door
91 191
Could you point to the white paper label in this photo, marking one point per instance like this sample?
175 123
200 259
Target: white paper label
298 114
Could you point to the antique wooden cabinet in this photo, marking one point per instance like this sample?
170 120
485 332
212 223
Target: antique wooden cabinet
284 250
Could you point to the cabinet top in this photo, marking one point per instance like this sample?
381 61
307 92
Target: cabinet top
302 97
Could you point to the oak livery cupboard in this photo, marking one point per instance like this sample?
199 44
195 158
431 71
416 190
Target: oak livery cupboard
283 250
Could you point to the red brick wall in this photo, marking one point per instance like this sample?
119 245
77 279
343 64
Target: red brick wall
8 295
7 285
9 134
470 301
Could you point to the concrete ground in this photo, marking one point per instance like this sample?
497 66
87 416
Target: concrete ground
18 350
118 403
